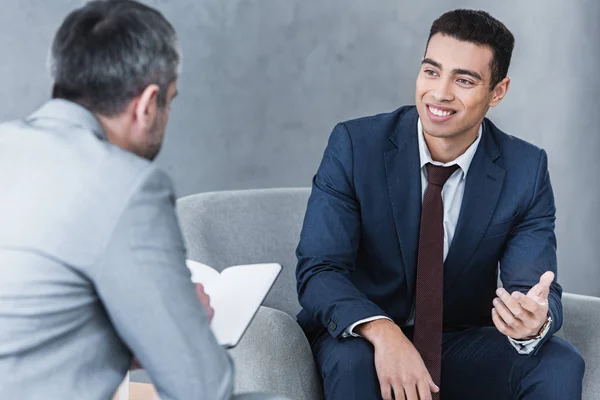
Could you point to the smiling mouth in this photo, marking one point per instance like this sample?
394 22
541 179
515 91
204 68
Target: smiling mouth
440 112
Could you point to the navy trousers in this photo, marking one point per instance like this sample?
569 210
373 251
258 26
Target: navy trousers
477 363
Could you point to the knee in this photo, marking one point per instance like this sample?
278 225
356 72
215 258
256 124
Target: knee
574 361
563 359
357 358
348 369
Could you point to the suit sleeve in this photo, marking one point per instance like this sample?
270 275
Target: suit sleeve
531 247
145 286
329 243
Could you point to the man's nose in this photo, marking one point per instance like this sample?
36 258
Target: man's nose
443 91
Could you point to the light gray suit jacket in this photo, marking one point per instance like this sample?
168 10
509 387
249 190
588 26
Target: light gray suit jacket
92 269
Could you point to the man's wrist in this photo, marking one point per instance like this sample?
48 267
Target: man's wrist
541 332
543 329
378 330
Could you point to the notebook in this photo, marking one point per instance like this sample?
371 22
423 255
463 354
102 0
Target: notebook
235 293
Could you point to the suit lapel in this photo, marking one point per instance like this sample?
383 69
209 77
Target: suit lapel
404 185
483 187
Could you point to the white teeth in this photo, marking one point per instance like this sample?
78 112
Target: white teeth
438 112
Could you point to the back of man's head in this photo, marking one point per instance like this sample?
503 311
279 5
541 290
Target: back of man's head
107 52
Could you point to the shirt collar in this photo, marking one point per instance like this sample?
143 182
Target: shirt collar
463 161
64 110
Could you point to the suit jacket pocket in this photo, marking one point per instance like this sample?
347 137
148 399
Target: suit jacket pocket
501 228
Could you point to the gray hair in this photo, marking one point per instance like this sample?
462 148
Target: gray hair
107 52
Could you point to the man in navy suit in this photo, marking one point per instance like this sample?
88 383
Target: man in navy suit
411 216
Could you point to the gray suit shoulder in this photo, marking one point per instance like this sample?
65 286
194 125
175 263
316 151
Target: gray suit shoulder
81 184
133 180
133 172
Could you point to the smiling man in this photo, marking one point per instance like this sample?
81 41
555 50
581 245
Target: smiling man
411 217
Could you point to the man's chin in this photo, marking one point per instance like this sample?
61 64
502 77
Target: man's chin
152 154
437 132
441 135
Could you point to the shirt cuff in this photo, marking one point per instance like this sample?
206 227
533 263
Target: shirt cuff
529 345
349 331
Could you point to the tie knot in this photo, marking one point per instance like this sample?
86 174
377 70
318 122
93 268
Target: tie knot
437 175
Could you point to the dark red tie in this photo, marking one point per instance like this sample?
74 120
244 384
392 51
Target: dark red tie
430 273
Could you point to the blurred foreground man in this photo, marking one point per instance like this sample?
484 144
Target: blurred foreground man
92 262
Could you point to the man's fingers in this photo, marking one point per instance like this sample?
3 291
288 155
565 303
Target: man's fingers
511 304
199 288
526 302
201 294
386 391
536 293
545 282
541 290
432 386
398 392
424 390
500 325
205 301
547 278
411 393
505 314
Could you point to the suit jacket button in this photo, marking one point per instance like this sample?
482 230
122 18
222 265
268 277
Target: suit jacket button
332 326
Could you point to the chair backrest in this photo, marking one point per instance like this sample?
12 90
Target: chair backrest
228 228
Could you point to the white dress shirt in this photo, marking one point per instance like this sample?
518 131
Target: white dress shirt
452 196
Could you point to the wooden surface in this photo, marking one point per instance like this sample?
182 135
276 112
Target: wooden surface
140 391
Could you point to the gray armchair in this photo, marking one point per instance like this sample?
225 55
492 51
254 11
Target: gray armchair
252 226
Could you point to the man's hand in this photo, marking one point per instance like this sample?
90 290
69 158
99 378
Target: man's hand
205 301
400 368
522 316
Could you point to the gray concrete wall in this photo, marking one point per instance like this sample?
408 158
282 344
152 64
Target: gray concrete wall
264 81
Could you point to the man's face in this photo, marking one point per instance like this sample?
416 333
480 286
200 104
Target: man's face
453 87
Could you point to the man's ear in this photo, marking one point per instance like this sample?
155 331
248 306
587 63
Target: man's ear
499 91
147 107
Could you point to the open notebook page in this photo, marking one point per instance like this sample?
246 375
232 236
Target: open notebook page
235 295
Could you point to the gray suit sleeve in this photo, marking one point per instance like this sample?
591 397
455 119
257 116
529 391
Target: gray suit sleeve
145 287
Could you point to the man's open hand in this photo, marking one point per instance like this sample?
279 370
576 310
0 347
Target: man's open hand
522 316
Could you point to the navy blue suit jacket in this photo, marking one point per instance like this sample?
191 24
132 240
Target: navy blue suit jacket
357 254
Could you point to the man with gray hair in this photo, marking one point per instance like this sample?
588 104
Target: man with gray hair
92 261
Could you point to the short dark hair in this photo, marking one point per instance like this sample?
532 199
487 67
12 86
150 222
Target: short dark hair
107 52
480 28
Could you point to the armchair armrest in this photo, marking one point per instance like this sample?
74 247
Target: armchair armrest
581 327
274 356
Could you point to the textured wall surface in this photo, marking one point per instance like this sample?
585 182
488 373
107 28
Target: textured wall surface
264 81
